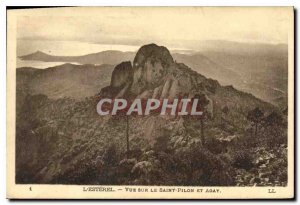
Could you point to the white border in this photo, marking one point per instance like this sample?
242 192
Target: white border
5 3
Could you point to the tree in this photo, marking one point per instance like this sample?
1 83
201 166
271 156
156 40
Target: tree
110 156
126 118
225 110
274 119
127 136
202 103
255 116
274 122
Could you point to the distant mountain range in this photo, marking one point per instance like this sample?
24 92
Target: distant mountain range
67 80
104 57
260 69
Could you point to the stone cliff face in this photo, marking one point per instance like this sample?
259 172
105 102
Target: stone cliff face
154 74
151 64
121 75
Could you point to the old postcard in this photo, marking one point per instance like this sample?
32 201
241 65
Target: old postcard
150 103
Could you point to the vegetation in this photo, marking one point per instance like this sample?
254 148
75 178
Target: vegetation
238 141
82 148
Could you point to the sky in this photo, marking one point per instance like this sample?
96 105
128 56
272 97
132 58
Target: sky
178 28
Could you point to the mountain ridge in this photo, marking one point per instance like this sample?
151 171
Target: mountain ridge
255 68
154 76
70 143
66 80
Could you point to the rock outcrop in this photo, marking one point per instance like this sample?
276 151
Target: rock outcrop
154 74
121 75
151 64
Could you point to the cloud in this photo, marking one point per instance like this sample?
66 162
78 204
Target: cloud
183 27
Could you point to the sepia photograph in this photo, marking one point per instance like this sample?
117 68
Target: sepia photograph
150 103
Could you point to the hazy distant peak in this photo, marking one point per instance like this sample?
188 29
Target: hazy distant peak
38 55
243 48
114 51
39 52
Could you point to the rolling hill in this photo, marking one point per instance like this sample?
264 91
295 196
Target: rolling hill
70 143
66 80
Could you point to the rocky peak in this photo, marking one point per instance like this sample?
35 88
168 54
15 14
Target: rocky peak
122 74
154 74
154 54
151 64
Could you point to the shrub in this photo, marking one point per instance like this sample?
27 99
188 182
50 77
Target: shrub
243 160
215 146
201 167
